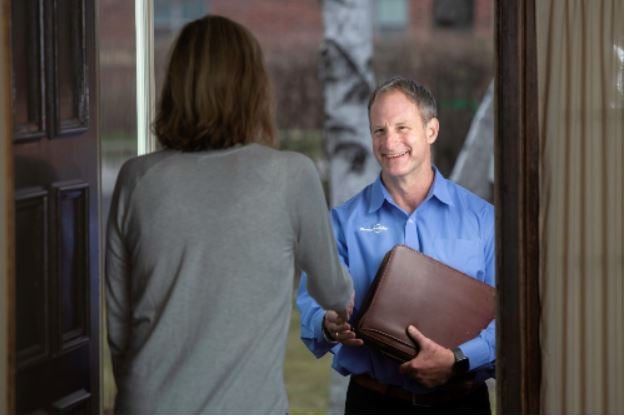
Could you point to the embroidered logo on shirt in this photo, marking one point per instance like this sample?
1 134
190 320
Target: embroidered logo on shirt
377 228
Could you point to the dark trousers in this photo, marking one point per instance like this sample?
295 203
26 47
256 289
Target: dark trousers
361 400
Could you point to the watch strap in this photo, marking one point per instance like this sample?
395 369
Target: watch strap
461 362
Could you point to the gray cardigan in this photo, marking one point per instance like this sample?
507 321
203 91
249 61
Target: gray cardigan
201 253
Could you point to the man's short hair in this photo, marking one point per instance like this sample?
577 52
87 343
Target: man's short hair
417 93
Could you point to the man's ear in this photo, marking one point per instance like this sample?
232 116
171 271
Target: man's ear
431 130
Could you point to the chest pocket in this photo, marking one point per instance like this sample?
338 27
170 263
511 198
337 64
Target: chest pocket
464 255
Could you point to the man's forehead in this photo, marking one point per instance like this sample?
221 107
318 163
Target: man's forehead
400 109
397 94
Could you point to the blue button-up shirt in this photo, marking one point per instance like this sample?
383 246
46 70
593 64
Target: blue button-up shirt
451 225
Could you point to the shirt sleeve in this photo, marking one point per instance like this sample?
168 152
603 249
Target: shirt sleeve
315 250
481 350
311 314
117 271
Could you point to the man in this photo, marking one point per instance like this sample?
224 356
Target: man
413 204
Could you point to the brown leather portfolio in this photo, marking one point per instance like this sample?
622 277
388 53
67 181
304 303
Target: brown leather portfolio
411 288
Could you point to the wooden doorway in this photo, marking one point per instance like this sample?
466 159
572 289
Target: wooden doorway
56 170
37 134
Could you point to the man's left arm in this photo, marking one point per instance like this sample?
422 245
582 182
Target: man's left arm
481 350
433 365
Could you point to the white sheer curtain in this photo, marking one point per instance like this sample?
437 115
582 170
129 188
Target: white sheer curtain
580 71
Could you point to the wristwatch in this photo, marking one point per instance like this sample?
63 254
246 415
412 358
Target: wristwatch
461 363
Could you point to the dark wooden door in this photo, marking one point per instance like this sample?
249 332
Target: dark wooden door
56 206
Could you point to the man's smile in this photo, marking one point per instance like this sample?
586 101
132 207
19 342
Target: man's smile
395 155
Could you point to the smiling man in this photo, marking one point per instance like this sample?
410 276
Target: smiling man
410 203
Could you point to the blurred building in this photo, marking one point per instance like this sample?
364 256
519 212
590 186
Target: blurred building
446 45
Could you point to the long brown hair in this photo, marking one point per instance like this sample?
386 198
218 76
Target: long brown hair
216 92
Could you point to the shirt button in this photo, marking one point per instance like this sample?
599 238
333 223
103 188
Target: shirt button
410 221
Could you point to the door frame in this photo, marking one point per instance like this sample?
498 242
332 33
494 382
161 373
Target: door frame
7 257
517 208
7 266
516 201
146 76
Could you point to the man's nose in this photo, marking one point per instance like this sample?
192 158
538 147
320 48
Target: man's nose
390 139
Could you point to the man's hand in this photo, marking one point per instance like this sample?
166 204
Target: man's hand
340 330
433 365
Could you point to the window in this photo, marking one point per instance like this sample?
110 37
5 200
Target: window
170 15
390 15
453 14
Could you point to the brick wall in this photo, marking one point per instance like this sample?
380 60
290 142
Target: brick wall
276 23
288 24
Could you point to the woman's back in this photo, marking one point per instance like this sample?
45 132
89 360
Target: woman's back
203 246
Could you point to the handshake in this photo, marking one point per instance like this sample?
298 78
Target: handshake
337 328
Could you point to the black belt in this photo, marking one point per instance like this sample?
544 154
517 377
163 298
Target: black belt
449 393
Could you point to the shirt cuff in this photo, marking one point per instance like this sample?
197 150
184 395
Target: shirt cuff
317 324
476 351
326 336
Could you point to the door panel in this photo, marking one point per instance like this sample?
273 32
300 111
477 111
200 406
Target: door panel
56 187
72 216
69 77
28 70
31 210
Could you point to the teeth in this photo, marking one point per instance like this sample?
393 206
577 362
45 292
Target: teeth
396 155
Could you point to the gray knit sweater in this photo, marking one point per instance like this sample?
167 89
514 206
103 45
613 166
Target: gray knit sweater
201 253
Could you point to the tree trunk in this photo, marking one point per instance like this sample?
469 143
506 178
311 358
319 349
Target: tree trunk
347 75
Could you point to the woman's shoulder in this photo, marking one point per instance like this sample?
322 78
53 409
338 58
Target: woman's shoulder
287 159
135 168
138 165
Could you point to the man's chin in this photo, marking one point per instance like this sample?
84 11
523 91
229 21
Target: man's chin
393 172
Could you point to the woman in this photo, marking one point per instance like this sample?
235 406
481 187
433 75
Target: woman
204 237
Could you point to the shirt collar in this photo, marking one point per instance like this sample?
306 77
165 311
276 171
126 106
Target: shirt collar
439 189
377 196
